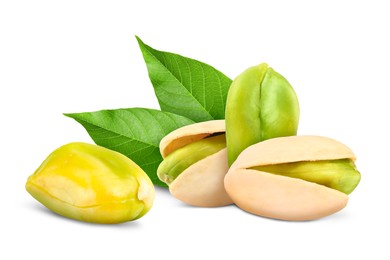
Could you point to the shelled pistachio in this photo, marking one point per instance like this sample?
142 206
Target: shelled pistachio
195 164
261 104
293 178
90 183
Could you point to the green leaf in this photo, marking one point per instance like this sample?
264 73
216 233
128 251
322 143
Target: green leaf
186 86
134 132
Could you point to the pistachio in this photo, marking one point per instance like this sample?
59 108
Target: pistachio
261 104
338 174
195 164
293 178
179 160
90 183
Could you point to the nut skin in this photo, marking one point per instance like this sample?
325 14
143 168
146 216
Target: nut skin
261 104
202 183
93 184
280 197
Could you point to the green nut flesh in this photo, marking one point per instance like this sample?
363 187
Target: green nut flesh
340 175
179 160
90 183
261 105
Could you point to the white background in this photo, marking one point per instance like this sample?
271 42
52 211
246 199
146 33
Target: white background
76 56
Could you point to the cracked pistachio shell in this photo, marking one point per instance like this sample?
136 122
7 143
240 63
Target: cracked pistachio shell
90 183
282 197
261 104
201 183
179 160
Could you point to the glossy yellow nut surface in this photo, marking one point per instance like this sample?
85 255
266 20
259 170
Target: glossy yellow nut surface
93 184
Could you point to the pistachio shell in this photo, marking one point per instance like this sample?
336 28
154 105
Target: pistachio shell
176 162
293 149
189 134
202 183
282 197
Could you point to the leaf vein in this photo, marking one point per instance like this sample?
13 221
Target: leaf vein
161 63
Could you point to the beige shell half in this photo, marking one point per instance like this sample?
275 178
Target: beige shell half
188 134
292 149
201 184
282 197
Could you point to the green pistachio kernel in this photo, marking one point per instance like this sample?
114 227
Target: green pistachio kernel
261 105
340 175
179 160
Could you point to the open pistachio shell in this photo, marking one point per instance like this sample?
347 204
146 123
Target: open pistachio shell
276 196
340 174
179 160
261 104
189 134
202 183
279 197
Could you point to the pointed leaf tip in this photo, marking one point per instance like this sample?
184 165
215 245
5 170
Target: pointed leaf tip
185 86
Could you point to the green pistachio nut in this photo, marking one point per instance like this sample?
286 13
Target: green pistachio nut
261 105
195 164
179 160
90 183
340 174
